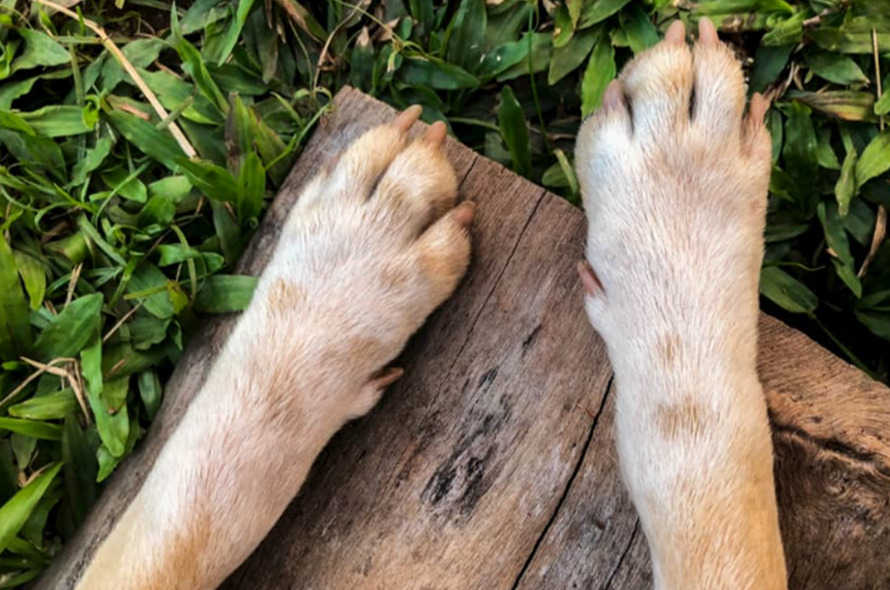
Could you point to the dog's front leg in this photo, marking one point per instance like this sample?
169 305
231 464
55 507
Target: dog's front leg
674 179
373 245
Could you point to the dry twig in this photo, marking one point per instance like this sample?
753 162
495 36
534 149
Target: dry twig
131 70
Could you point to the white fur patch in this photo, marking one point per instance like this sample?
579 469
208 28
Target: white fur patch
675 194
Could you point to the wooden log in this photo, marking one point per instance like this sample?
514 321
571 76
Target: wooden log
491 464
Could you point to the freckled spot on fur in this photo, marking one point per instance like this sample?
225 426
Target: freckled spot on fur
395 277
669 350
392 191
186 554
177 565
680 419
362 347
284 296
756 207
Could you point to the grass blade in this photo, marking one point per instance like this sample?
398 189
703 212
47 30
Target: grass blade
16 511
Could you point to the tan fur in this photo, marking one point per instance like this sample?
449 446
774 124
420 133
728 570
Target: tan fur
364 258
185 553
669 350
284 295
682 419
675 197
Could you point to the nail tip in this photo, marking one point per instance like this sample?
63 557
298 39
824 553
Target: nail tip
707 31
465 213
676 33
613 96
408 117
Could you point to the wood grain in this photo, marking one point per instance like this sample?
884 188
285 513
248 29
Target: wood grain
491 464
477 444
589 539
830 429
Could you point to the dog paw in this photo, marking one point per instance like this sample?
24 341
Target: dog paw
674 178
373 245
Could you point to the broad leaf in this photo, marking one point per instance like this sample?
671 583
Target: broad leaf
514 130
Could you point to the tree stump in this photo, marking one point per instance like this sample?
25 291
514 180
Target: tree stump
491 465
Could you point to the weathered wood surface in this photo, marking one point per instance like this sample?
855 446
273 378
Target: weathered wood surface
491 464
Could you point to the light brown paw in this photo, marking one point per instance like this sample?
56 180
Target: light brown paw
674 178
374 244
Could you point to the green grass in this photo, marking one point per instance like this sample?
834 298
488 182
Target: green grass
122 220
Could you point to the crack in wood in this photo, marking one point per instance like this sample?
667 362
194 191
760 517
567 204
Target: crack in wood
568 487
624 554
497 281
466 175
